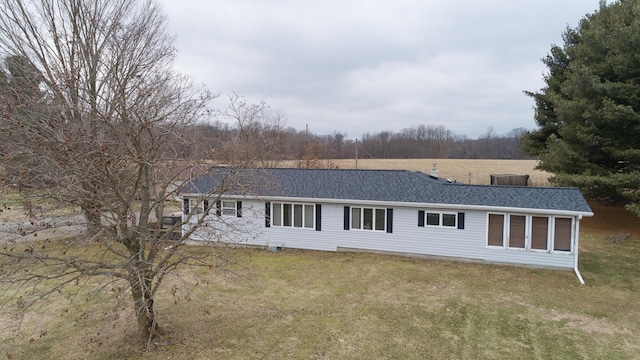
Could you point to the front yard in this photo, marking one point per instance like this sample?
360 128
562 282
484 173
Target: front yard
311 304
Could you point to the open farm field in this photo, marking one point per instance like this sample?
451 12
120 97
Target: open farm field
468 171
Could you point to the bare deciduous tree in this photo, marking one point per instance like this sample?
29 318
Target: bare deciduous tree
100 133
256 138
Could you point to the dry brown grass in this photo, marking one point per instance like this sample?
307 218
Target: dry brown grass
468 171
319 305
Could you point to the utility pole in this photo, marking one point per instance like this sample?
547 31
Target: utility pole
356 153
306 145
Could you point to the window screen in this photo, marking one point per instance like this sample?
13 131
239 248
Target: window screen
297 215
367 219
380 219
516 231
562 235
539 231
496 230
277 214
308 216
287 214
355 218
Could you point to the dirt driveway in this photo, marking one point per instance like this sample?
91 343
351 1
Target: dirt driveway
50 228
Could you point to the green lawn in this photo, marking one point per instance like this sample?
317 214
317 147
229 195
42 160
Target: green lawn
312 305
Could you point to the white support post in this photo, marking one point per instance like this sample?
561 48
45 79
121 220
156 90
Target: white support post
575 250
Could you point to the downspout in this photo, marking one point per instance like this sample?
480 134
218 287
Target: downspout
575 258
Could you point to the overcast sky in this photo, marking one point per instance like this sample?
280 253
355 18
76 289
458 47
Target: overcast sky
376 65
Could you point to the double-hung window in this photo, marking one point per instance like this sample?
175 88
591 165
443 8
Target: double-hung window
229 208
193 206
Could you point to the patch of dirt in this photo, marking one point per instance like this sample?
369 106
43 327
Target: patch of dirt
586 323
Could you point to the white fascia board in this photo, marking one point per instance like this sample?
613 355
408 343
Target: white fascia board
457 207
209 195
531 211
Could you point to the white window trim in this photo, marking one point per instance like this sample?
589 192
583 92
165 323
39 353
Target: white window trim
504 231
528 233
552 234
373 224
196 206
292 226
234 209
550 220
440 219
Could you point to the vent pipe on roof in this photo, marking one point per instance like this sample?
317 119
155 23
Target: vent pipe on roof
433 172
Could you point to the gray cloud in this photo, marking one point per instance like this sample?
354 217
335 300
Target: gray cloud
368 66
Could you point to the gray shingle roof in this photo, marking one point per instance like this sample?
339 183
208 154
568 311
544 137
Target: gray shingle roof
380 185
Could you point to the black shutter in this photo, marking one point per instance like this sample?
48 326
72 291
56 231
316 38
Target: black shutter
460 220
318 217
239 209
346 217
421 218
267 214
205 203
218 207
185 206
389 220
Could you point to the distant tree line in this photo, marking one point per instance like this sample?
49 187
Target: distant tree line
286 143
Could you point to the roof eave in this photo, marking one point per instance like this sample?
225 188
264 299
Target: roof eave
457 207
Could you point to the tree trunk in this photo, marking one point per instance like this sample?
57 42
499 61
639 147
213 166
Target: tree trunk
93 217
91 208
143 302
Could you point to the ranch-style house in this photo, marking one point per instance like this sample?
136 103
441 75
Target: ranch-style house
393 211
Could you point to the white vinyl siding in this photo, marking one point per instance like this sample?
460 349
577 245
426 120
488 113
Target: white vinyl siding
473 242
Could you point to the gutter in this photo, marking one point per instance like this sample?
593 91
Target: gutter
575 258
439 206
